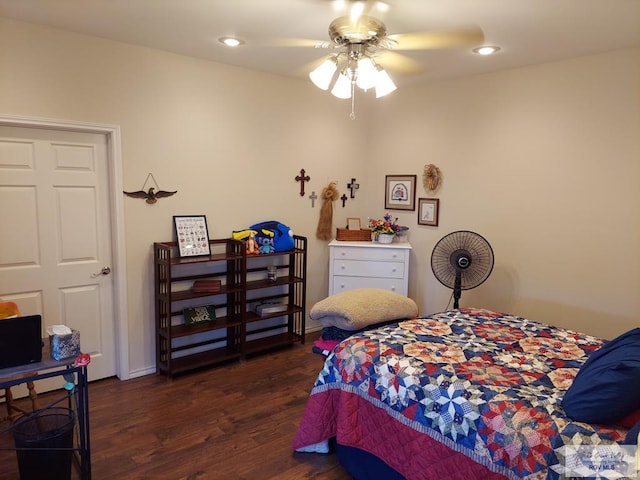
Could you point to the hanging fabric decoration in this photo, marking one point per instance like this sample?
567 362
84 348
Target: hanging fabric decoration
431 178
329 195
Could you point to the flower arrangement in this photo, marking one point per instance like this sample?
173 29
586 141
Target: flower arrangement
384 225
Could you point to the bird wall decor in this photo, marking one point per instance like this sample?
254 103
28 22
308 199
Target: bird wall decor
152 194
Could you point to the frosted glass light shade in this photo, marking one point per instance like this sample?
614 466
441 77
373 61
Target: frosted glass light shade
342 88
384 84
321 76
367 73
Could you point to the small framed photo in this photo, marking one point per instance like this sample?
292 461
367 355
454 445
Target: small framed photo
400 192
192 235
204 313
428 211
353 223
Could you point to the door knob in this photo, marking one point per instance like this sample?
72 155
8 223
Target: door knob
103 271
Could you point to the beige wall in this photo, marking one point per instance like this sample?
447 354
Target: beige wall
542 161
229 140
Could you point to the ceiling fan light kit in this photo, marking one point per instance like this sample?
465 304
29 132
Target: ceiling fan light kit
342 87
322 76
361 40
356 67
384 84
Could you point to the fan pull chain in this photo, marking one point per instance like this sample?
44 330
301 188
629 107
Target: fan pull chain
352 115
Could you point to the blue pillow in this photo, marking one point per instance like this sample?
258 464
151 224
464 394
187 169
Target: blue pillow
607 386
632 435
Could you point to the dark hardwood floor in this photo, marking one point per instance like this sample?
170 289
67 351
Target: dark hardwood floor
234 422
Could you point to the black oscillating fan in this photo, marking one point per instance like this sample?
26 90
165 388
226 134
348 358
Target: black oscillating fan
462 260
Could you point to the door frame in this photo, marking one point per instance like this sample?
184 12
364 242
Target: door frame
114 159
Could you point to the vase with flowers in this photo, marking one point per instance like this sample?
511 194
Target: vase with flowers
384 229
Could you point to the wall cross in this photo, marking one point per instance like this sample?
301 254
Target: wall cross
313 198
302 178
344 199
353 186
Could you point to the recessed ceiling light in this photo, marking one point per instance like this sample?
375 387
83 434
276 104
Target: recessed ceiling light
486 50
230 41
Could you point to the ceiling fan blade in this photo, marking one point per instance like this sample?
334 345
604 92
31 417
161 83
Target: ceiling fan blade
449 38
293 42
398 62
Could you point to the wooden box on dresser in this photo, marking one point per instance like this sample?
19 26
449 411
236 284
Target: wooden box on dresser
236 331
369 265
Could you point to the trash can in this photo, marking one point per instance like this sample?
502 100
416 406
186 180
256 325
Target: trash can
44 444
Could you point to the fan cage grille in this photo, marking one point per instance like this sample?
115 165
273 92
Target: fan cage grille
466 243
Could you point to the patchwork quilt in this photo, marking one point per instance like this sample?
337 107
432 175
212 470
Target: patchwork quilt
460 394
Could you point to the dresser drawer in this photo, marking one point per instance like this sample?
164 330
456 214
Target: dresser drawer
366 253
360 268
342 284
369 265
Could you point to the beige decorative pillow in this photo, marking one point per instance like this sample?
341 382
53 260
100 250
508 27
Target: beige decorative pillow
359 308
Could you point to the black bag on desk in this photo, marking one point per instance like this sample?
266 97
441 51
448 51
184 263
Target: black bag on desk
20 341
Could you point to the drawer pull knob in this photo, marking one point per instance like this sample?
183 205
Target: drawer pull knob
393 289
342 267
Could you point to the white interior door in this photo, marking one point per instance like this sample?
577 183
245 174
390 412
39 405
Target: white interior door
56 252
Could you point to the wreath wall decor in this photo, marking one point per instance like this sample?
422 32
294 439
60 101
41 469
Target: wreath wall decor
431 178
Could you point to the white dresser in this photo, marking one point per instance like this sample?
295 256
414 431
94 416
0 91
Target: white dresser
368 265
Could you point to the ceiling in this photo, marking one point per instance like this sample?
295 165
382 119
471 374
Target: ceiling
280 34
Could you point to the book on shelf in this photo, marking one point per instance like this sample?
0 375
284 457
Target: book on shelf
264 308
206 286
204 313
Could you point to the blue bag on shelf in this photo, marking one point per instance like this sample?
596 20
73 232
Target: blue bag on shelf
272 230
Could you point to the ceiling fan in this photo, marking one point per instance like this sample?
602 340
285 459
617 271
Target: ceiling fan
362 46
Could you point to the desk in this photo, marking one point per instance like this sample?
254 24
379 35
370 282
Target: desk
47 368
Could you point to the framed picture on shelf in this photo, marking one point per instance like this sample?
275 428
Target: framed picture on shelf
400 192
428 211
204 313
192 235
353 223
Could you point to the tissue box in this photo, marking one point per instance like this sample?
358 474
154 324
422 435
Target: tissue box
65 346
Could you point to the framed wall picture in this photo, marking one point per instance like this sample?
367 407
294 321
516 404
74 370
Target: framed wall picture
400 192
192 235
428 211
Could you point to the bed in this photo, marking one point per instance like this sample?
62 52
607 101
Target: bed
463 394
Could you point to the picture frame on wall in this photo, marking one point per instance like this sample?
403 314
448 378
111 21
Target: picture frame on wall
192 235
428 211
400 192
